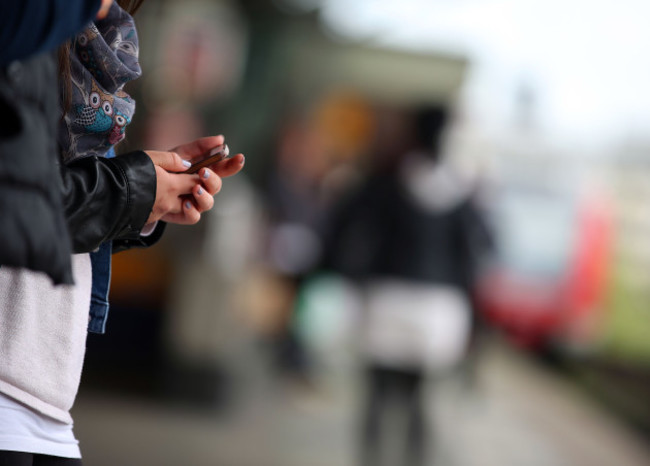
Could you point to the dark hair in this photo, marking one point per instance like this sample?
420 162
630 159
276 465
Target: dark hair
65 80
429 124
130 6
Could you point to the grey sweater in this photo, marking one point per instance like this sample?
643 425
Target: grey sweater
43 332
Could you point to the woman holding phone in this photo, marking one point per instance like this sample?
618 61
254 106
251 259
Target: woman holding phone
119 201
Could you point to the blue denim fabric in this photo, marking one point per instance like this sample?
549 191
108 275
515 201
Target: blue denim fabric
101 267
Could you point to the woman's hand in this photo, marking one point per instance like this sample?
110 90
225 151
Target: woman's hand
181 198
194 150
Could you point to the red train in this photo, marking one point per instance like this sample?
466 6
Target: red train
546 283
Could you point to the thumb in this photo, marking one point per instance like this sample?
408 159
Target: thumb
169 161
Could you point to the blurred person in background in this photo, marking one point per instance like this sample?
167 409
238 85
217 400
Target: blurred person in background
316 162
296 214
413 237
124 201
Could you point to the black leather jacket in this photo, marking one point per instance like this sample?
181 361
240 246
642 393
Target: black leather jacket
49 211
33 230
109 200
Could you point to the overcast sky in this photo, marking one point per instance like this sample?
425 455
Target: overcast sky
588 61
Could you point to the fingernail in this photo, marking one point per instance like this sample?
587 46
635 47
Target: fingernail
188 205
206 174
243 159
187 163
200 191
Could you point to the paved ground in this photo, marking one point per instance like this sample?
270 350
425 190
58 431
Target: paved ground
518 415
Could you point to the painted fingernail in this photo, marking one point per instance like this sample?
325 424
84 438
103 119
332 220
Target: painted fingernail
187 163
199 191
188 205
206 174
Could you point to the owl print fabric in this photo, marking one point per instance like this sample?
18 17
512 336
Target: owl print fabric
104 57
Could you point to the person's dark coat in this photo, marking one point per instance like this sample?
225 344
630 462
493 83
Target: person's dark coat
33 230
380 231
47 210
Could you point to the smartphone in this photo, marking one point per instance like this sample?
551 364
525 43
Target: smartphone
214 155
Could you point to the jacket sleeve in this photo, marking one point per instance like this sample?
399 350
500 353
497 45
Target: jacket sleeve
28 27
109 200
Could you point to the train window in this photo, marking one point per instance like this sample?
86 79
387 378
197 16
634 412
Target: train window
535 232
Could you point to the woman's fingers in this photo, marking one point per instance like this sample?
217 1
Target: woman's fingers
185 184
229 167
170 161
202 199
181 198
197 148
180 158
188 209
170 190
210 181
188 214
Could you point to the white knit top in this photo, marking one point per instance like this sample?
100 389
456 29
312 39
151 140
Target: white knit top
43 332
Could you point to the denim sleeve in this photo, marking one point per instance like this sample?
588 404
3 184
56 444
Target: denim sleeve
28 27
